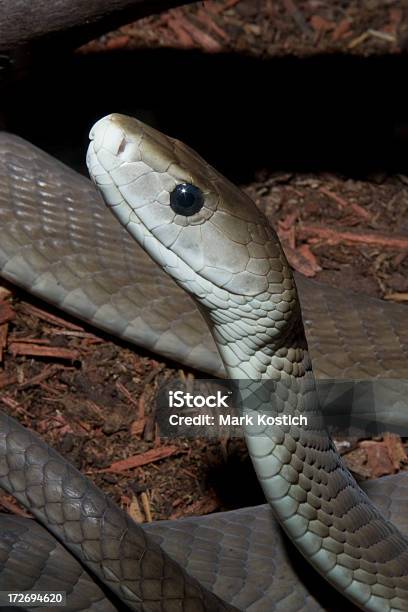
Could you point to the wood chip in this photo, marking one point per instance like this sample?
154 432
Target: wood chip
47 372
301 263
7 312
310 257
154 454
27 340
334 236
204 40
3 339
71 333
385 36
342 30
375 458
344 205
146 507
286 229
184 38
396 450
11 403
134 510
205 18
11 506
122 389
39 350
137 427
6 380
118 42
378 460
397 297
50 318
356 461
358 40
5 293
385 456
320 24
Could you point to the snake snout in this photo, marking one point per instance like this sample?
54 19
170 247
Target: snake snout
107 135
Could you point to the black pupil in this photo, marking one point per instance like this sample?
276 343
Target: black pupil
186 199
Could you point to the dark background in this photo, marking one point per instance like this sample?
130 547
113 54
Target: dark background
326 113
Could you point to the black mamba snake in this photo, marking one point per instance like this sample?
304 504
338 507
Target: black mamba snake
77 257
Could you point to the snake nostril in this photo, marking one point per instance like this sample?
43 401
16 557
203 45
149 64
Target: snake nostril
186 199
122 146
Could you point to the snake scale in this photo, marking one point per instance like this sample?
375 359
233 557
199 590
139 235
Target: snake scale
60 243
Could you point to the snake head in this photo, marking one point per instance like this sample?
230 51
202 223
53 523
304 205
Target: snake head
201 229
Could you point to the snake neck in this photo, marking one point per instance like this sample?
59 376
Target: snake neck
260 339
314 497
272 371
263 346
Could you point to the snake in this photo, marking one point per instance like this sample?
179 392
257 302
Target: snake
210 276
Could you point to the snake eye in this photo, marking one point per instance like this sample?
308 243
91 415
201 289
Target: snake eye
186 199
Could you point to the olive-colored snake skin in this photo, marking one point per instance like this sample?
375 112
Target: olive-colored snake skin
66 251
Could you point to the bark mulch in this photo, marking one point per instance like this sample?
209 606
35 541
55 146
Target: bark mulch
270 28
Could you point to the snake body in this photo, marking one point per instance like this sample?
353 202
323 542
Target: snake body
225 255
238 274
74 256
91 526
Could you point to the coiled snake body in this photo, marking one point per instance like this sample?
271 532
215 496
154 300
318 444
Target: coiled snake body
211 239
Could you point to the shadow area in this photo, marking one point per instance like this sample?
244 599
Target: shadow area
328 597
325 113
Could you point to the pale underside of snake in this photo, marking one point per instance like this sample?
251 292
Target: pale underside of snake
58 242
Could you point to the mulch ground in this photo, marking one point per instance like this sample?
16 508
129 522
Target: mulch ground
92 398
270 27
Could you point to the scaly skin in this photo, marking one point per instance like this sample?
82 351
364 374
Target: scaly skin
49 246
230 261
94 529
